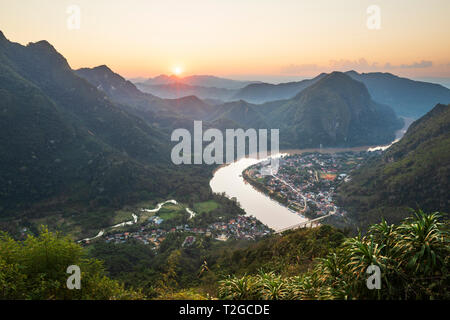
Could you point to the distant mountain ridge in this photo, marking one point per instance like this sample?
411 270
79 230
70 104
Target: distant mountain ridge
335 111
264 92
179 90
407 97
299 120
146 105
202 86
206 81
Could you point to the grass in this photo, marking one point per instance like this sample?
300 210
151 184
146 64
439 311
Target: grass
122 216
206 206
170 211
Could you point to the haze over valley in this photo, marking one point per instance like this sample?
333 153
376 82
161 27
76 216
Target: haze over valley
253 166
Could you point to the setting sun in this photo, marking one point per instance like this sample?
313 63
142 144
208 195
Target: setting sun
177 71
241 151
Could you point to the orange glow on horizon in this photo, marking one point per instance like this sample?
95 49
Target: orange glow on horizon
244 39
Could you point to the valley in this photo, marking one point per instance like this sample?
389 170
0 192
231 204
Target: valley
102 172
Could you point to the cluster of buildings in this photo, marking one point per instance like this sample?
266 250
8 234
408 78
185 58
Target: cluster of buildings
307 182
241 227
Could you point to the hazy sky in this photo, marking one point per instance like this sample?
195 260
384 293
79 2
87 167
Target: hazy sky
240 38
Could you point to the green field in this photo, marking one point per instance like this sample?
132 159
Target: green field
122 216
171 211
207 206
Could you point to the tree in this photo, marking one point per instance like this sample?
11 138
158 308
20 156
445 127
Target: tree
36 269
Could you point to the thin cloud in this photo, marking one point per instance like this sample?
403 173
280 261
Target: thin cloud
361 65
416 65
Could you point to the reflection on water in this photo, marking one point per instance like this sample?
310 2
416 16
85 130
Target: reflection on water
228 179
398 135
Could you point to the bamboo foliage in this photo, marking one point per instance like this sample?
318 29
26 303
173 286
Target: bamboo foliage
413 259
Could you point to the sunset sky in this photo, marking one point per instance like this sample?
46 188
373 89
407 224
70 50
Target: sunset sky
240 38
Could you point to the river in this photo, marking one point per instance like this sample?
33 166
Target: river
228 179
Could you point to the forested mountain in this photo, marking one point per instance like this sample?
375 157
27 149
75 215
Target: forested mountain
412 173
67 149
335 111
407 97
119 89
78 146
92 138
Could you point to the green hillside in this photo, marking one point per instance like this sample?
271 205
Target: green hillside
335 111
413 173
69 155
413 258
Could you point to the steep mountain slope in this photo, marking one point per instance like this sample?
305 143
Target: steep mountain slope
335 111
42 65
414 173
118 89
65 148
264 92
407 97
